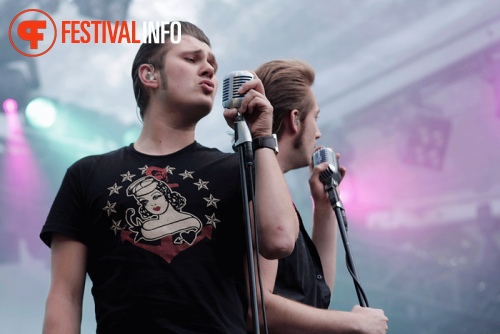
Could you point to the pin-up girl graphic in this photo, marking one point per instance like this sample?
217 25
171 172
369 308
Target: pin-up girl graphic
159 213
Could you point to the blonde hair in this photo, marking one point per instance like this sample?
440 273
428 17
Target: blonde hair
287 84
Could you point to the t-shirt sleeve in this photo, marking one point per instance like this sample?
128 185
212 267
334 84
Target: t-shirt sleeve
67 211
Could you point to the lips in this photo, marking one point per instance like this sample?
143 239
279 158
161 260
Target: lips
207 86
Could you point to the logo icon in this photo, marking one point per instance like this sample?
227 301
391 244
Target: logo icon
31 33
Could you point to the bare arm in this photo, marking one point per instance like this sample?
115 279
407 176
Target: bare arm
288 316
277 222
63 309
275 215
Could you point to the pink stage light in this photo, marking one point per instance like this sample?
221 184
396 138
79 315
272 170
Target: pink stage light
10 106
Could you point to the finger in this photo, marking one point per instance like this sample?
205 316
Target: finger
229 115
321 167
254 84
257 103
314 180
342 171
249 97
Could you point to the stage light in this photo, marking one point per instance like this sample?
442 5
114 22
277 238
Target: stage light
41 113
10 106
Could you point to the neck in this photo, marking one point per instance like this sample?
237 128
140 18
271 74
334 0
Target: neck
289 157
285 160
164 133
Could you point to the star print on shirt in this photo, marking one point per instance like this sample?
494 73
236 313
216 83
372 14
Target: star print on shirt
114 189
179 228
116 226
186 175
143 169
201 184
110 208
170 170
211 201
127 177
212 220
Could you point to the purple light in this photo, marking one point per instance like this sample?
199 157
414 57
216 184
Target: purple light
10 106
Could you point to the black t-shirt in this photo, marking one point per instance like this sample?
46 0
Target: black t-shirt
165 239
300 275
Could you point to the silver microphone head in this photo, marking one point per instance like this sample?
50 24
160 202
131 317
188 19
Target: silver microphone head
327 155
232 82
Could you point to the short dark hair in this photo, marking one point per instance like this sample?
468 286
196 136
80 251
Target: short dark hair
153 53
287 84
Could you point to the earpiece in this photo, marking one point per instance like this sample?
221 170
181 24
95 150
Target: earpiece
296 120
150 75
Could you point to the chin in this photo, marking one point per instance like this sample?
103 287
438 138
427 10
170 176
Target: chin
207 101
203 109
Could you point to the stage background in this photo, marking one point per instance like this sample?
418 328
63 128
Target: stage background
409 93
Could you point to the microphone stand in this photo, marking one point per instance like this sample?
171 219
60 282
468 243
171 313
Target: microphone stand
243 145
331 189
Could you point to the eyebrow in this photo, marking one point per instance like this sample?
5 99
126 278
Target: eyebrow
211 57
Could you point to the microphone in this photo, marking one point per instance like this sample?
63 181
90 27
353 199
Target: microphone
232 82
232 99
332 173
331 178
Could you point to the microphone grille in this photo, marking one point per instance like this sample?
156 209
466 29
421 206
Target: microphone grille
324 155
232 82
327 155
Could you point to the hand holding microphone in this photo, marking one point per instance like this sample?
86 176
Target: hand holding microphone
243 91
331 176
232 99
326 174
333 173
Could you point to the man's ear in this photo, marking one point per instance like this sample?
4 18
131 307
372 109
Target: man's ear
294 120
147 75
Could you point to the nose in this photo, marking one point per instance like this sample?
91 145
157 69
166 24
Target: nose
207 70
318 133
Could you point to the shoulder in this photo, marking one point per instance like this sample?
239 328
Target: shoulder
214 154
98 158
86 166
